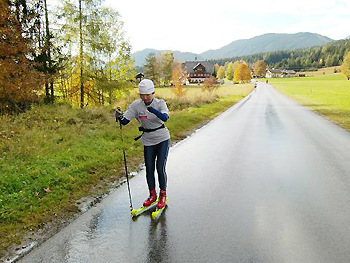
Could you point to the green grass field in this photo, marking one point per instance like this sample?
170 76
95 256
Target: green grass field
54 155
328 95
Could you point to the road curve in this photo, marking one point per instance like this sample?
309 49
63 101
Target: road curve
266 181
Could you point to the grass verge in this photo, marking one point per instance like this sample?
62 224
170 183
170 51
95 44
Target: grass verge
328 95
52 156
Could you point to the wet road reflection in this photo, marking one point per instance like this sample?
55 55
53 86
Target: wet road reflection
267 181
158 250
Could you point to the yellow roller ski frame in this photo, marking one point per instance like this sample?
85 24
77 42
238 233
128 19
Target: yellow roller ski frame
156 214
137 212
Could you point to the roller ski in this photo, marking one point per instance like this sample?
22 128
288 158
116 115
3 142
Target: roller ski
137 212
161 205
156 214
149 204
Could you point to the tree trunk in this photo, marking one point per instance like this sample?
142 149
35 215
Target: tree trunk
52 92
81 56
49 97
47 92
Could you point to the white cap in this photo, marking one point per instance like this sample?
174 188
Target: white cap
146 86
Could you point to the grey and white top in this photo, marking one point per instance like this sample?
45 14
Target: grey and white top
148 120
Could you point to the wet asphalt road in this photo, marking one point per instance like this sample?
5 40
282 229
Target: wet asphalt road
267 181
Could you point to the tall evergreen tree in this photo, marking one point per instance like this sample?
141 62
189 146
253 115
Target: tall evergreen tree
152 68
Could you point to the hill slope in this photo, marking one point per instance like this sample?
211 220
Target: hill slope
140 56
258 44
266 43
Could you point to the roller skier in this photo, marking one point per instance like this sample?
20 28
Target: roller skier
151 113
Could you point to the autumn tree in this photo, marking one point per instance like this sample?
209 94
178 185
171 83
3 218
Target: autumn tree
109 55
242 73
167 64
236 64
216 67
260 68
229 71
179 78
221 72
95 43
121 72
78 22
345 66
75 16
19 80
210 84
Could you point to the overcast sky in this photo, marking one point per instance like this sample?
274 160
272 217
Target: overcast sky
200 25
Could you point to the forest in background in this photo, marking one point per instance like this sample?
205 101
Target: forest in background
306 59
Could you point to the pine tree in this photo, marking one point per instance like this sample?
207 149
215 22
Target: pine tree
152 68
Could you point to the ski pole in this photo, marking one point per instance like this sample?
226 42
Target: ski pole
125 164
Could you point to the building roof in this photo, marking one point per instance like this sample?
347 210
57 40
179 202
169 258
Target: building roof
289 71
286 71
191 65
273 70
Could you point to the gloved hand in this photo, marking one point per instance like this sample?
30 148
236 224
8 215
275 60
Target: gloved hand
118 114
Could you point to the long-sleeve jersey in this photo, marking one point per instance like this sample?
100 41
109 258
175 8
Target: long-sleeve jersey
148 120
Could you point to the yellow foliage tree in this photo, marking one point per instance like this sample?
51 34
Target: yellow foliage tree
242 73
229 71
235 65
260 68
19 80
221 72
216 67
179 78
345 66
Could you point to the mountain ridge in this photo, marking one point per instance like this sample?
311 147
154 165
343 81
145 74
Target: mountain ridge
267 43
263 43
